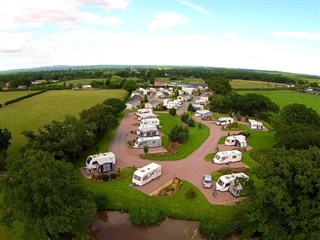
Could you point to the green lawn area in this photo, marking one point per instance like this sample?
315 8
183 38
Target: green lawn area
33 113
285 97
186 80
238 83
10 95
196 137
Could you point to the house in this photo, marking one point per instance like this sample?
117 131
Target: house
159 84
133 103
5 87
152 104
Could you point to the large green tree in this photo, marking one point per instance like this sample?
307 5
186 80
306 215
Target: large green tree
65 140
45 196
130 85
219 85
116 103
287 206
5 138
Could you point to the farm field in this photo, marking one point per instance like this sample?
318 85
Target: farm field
79 81
7 96
285 97
34 112
186 80
238 83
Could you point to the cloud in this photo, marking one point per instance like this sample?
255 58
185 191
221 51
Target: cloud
167 20
33 14
194 7
311 36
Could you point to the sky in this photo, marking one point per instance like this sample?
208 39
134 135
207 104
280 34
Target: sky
281 35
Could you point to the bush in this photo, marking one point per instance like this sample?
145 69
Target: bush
232 125
247 134
101 201
145 149
190 108
179 134
172 111
190 194
191 122
184 117
105 178
215 230
200 125
146 216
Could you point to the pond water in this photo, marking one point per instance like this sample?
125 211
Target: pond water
117 226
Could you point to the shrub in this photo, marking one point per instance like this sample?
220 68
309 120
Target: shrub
190 194
191 122
105 178
146 216
190 108
232 125
101 201
179 134
145 149
215 230
247 134
200 125
184 117
172 111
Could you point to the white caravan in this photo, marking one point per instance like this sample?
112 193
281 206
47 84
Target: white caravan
149 141
150 121
236 187
255 125
236 140
225 181
147 131
205 114
143 111
102 162
146 174
227 157
224 121
146 116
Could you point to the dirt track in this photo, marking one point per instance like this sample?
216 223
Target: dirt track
192 168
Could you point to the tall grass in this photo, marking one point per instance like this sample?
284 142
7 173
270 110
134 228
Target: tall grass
146 216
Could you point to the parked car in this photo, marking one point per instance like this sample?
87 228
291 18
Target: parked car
207 181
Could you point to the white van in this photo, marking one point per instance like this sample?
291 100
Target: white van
225 181
224 121
149 141
227 157
146 174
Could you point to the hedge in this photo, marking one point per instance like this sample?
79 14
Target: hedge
24 97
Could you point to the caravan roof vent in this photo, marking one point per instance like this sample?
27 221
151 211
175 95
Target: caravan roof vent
142 170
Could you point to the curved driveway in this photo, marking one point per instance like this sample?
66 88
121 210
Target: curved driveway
191 168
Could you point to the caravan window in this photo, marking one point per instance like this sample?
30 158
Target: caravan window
217 157
145 177
89 160
220 182
137 177
234 156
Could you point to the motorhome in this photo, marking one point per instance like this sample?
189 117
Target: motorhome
227 157
102 162
204 114
236 140
224 121
224 182
146 116
148 141
150 121
143 111
147 131
255 125
146 174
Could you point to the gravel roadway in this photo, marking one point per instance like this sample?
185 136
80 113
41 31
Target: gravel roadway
191 168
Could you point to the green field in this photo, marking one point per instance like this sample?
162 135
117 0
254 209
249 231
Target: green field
10 95
285 97
186 80
237 83
79 82
196 137
34 112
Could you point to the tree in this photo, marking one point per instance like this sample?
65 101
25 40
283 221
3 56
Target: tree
130 85
101 118
287 206
116 81
65 140
184 117
116 103
219 85
191 122
5 137
145 98
172 111
145 149
179 134
218 101
45 196
190 107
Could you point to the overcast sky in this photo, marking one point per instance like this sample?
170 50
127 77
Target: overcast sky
257 34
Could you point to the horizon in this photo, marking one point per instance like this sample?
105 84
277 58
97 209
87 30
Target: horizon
279 36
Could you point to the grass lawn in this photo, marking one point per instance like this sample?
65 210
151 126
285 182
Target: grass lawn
238 83
33 113
285 97
196 137
7 96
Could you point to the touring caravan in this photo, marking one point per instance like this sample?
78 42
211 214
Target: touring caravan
149 141
255 125
102 162
224 182
146 116
147 131
204 114
146 174
150 121
236 140
224 121
143 111
227 157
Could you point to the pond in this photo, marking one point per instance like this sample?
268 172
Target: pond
117 226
